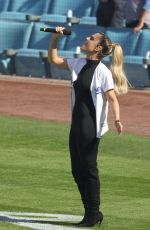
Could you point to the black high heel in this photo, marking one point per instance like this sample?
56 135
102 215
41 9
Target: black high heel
91 221
85 218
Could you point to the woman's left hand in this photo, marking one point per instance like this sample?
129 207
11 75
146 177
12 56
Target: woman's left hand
119 127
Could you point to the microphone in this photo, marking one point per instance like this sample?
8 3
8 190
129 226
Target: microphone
66 31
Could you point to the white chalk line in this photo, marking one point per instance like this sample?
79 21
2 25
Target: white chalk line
39 221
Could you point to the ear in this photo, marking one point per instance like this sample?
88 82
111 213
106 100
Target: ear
98 48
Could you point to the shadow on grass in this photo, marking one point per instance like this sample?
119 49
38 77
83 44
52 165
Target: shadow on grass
15 220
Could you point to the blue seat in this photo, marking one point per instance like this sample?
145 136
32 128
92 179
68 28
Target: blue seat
30 61
82 9
53 18
133 59
79 8
14 35
134 45
144 43
4 5
19 9
88 20
5 15
125 37
27 6
137 74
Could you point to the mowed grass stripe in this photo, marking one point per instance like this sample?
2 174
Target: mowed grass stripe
35 174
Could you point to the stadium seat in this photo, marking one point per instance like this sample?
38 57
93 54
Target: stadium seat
138 75
18 9
125 37
144 43
4 5
134 46
14 35
13 16
30 61
53 18
88 20
79 8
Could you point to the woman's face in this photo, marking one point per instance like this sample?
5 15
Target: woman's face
91 43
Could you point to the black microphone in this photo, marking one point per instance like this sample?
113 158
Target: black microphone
66 31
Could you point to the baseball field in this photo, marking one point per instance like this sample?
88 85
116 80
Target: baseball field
35 174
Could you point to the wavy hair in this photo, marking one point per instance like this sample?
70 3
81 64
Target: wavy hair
116 68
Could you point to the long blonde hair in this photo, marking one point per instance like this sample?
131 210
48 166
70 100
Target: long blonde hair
116 68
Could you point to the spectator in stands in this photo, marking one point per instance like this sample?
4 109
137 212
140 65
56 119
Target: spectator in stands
118 16
105 12
110 13
93 85
137 14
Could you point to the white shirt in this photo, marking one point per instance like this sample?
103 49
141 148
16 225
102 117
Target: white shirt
102 81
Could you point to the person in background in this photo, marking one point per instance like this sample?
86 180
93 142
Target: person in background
105 12
118 16
137 14
93 86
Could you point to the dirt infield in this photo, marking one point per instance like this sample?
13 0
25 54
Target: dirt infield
50 100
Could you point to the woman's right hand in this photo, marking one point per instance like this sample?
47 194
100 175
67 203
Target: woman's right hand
53 56
59 31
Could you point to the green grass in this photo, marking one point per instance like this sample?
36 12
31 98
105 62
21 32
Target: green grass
35 174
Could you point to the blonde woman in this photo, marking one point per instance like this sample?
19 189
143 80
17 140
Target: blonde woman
93 86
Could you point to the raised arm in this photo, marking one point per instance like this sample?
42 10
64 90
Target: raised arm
53 56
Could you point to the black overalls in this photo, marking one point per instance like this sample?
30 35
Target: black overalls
83 142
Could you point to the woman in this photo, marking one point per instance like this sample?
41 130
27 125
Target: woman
93 85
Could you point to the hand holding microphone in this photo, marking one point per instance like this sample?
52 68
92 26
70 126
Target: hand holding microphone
57 30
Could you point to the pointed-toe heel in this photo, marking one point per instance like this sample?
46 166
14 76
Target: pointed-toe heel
92 221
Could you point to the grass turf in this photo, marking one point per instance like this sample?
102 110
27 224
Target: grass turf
35 174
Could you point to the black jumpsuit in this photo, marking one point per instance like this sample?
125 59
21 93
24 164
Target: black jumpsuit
83 142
